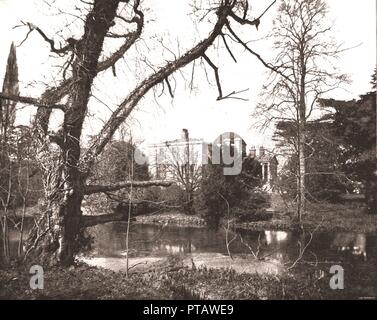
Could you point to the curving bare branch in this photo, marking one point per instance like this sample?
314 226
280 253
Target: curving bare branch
32 101
91 189
70 41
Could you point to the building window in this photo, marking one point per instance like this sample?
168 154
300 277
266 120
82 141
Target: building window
161 171
265 172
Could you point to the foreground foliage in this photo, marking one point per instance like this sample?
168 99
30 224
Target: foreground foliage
83 282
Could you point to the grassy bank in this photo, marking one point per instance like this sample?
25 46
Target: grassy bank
329 217
172 218
83 282
339 217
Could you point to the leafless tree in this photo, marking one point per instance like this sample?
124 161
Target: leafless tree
304 71
228 227
131 177
65 165
183 166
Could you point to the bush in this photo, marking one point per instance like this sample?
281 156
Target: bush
167 198
240 192
253 208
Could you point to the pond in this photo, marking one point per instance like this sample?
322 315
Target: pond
253 251
354 251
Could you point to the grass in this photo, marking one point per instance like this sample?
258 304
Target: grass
340 217
84 282
81 282
173 218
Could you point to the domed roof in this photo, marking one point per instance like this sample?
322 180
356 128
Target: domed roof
229 135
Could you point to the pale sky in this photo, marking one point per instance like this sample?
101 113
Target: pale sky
162 118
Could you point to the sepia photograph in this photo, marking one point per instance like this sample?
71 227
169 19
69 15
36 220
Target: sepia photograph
198 150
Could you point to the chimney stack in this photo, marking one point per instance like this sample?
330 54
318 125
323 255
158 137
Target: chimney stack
261 151
185 134
253 152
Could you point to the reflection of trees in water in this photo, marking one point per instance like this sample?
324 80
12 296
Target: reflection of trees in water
275 237
351 242
276 240
273 242
274 245
186 247
108 238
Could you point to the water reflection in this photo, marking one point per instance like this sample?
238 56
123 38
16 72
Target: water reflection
275 237
351 243
266 251
151 240
175 249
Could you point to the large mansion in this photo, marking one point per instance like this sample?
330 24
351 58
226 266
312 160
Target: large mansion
174 154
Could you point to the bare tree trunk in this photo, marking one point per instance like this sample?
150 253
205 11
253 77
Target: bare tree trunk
301 139
188 176
301 179
67 218
5 238
21 240
67 224
5 206
131 176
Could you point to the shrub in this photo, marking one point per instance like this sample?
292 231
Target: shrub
240 192
171 197
253 208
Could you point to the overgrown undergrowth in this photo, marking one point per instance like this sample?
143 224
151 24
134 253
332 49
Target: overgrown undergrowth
83 282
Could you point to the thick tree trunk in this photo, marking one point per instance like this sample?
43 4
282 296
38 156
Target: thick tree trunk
67 223
67 216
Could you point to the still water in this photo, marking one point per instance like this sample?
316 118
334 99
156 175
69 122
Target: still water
356 249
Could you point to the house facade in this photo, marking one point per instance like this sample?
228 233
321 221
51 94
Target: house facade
269 164
182 159
168 158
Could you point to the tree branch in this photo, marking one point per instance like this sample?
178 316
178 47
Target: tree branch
32 101
90 221
169 88
254 22
130 39
216 71
91 189
228 48
32 27
267 65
